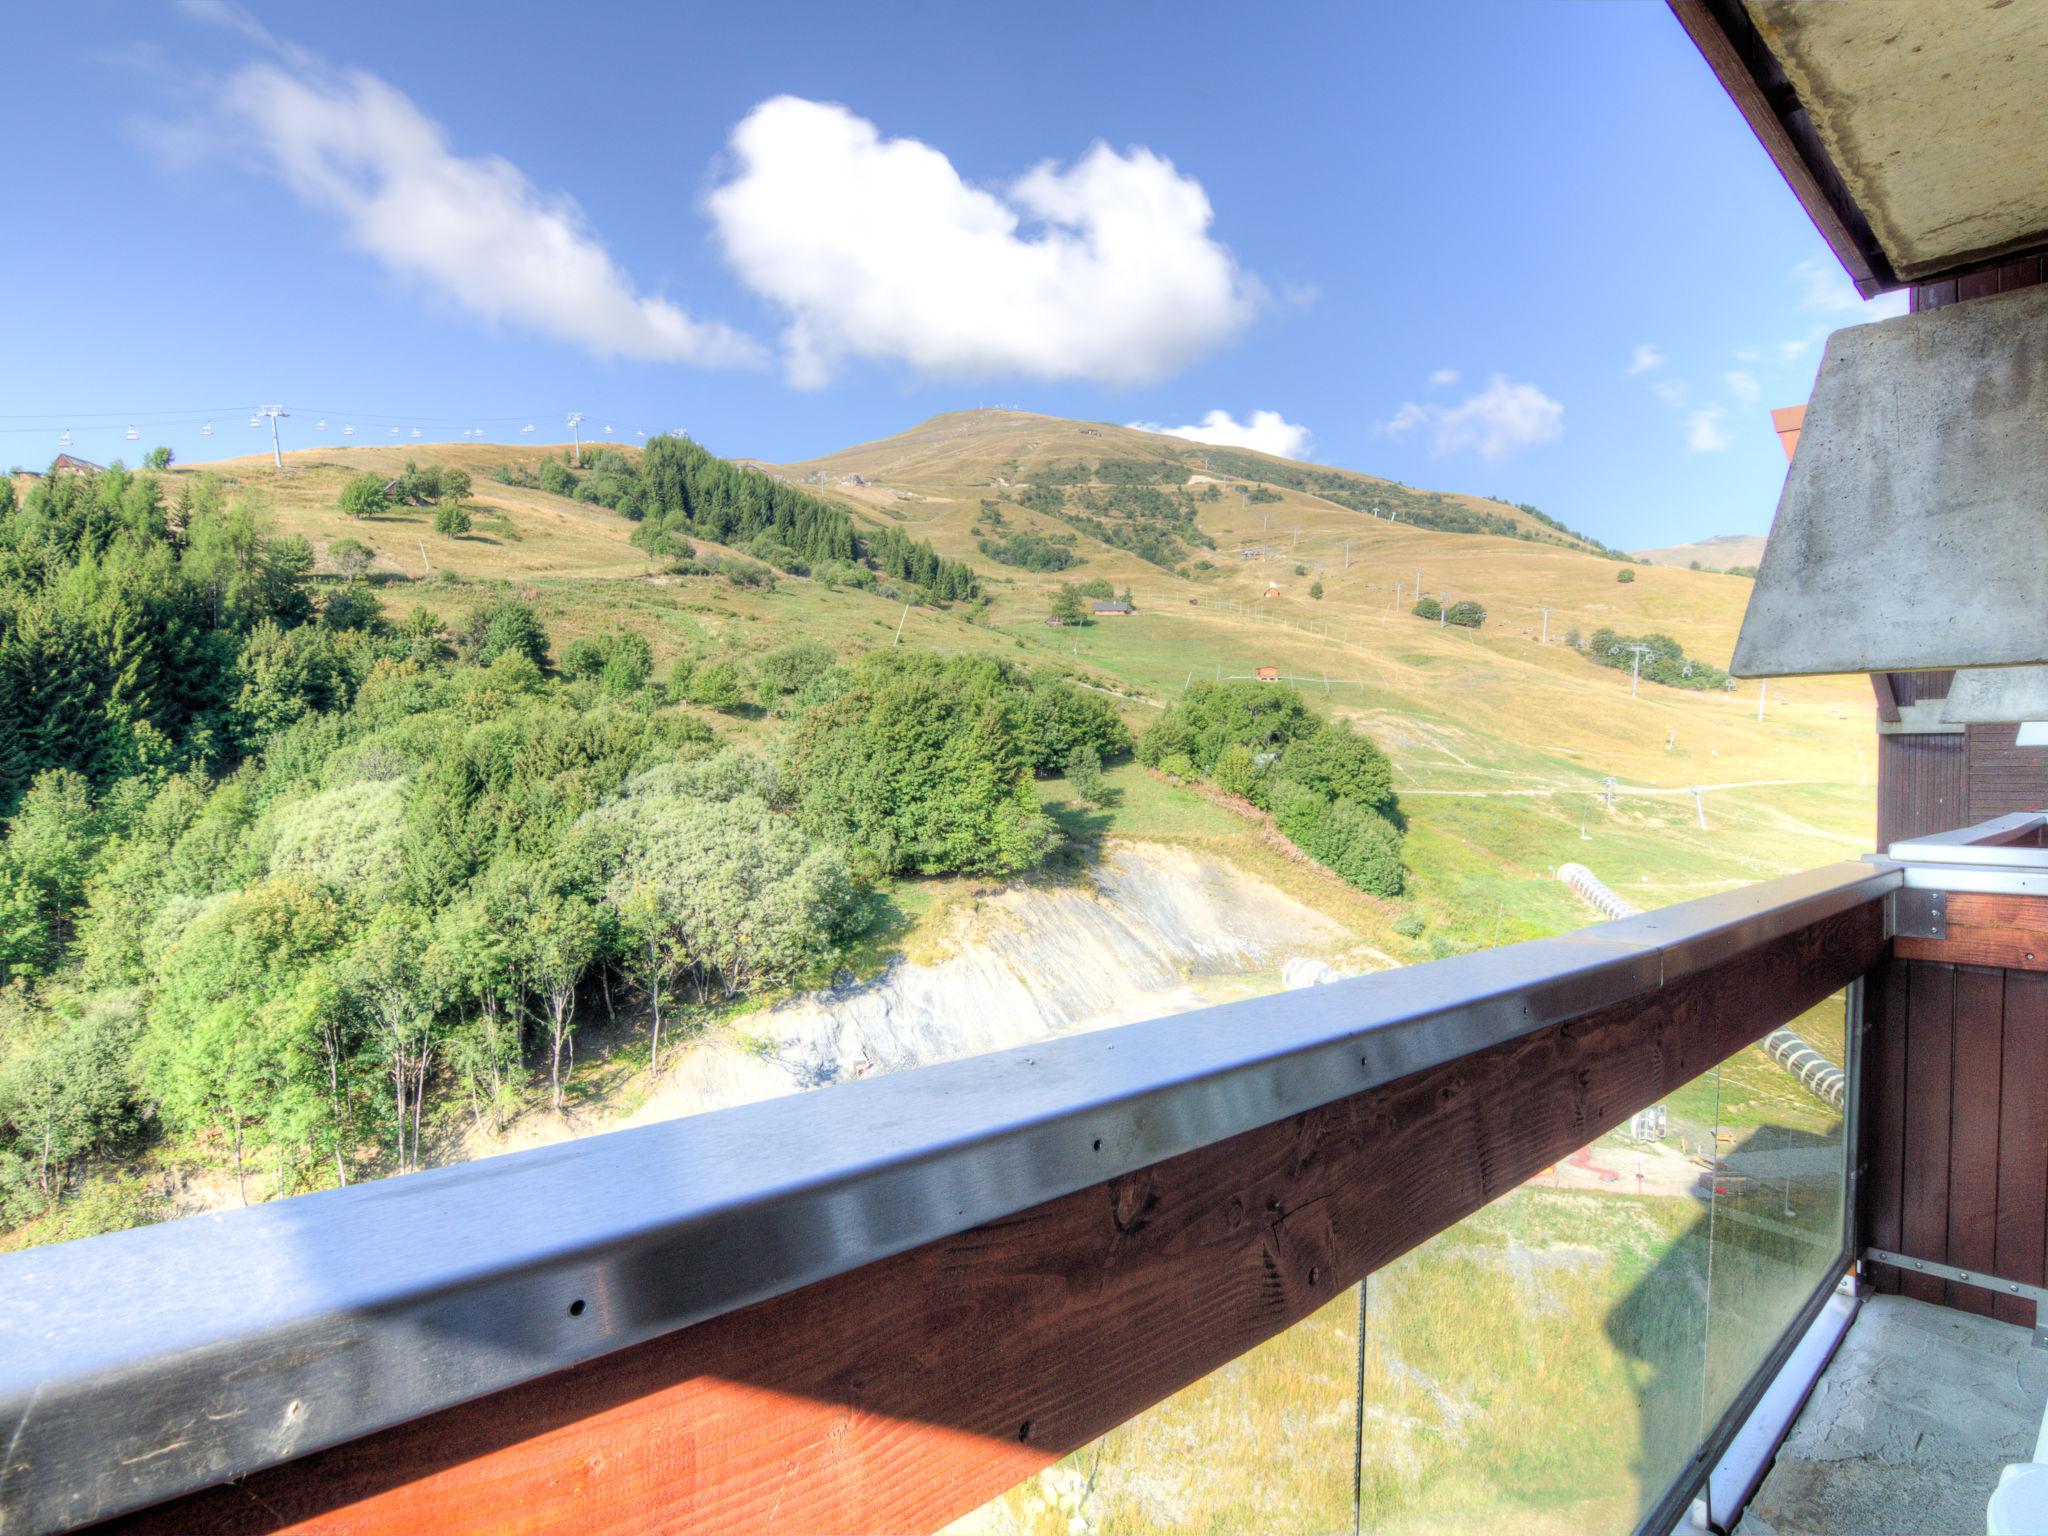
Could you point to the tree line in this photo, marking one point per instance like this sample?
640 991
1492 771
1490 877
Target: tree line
1330 788
677 491
1663 659
365 884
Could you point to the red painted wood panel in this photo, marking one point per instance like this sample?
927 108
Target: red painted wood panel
1922 781
1930 1045
1979 1027
1955 1122
2021 1248
1884 1112
2004 776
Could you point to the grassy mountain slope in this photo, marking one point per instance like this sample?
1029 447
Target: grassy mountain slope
1717 553
1501 742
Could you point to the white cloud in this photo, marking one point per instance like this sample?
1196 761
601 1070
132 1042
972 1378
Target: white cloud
1646 359
1704 432
1443 378
876 248
1266 431
1742 385
1824 288
472 229
1500 419
1670 391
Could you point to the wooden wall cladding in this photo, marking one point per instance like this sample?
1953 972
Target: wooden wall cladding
1922 781
2004 277
902 1395
2004 776
1955 1117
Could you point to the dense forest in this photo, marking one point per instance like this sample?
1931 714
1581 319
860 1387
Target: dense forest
291 890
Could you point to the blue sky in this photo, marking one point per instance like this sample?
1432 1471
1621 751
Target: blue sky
1527 250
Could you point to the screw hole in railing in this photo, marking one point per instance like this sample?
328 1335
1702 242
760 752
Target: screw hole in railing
576 1307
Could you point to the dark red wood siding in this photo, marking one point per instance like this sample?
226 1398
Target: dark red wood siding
1922 781
2004 777
1955 1118
2027 272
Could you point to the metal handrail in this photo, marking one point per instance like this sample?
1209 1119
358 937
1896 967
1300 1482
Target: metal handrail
149 1363
1988 842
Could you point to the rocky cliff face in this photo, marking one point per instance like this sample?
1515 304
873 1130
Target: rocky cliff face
1149 931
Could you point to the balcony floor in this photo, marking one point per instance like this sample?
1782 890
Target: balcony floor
1908 1428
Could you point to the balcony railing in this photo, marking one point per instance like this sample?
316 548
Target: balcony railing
877 1305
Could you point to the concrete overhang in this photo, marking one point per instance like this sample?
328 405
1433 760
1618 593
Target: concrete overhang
1909 129
1913 530
1997 695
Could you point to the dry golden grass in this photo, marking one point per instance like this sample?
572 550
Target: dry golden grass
1501 743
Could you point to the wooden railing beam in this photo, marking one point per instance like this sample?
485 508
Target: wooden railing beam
902 1394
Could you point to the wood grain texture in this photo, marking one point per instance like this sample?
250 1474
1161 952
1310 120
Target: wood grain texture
1996 276
904 1394
1882 1121
1979 909
2015 949
2003 775
1959 1148
1922 785
1973 1130
1923 1190
2020 1248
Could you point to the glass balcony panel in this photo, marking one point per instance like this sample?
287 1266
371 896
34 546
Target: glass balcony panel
1265 1446
1777 1210
1539 1366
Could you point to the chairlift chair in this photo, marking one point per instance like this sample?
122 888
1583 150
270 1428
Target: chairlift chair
207 430
65 440
132 435
348 431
